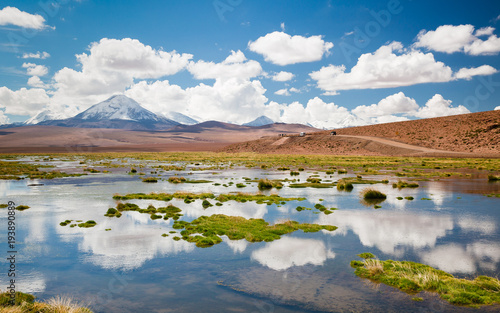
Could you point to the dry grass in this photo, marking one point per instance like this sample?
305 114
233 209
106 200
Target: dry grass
374 266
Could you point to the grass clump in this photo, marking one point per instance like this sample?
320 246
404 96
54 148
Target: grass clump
66 222
149 180
87 224
409 198
343 184
176 179
403 184
25 303
493 177
206 204
205 231
370 193
112 212
22 207
264 184
412 278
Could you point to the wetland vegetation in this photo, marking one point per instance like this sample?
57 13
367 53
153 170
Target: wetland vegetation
205 231
413 278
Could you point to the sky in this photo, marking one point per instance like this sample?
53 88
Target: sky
325 63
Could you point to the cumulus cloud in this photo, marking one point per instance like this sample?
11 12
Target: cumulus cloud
234 66
316 113
4 119
16 17
283 76
38 55
390 66
23 101
438 106
282 92
468 73
228 100
35 81
35 70
282 49
384 110
111 67
461 38
497 108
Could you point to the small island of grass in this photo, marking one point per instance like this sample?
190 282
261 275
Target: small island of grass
205 231
413 278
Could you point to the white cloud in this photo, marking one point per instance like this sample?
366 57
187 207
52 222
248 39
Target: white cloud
111 67
384 110
282 49
14 16
446 38
461 38
293 89
234 66
282 27
485 31
35 70
438 106
38 55
4 119
35 81
386 69
468 73
497 108
283 76
316 113
23 101
228 100
282 92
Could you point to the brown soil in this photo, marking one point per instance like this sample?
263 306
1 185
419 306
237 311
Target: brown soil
208 136
467 135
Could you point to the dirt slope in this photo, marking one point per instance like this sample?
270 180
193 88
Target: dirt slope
468 135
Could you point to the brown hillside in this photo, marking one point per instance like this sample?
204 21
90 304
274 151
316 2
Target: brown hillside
474 132
474 135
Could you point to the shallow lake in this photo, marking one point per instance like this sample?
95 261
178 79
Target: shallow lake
125 265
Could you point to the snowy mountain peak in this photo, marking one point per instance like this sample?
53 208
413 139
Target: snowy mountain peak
181 118
260 121
118 107
45 115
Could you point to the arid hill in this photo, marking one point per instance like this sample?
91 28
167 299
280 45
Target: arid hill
475 134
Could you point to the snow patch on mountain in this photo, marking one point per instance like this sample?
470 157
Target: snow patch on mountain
260 121
180 118
44 115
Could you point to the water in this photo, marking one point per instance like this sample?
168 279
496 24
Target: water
132 268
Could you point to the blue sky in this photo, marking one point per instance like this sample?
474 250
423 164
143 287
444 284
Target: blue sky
340 63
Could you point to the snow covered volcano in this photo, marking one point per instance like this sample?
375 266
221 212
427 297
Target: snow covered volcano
118 108
116 112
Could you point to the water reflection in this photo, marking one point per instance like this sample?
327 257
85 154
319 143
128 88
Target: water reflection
455 258
289 251
128 244
390 230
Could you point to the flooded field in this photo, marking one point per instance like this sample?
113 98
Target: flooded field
142 262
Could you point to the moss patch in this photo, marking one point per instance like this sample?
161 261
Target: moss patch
412 278
205 231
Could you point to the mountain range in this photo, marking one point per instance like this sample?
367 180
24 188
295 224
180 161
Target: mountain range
121 112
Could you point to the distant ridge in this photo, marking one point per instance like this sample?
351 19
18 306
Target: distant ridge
260 121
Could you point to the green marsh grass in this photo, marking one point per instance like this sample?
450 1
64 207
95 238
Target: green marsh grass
205 231
412 278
